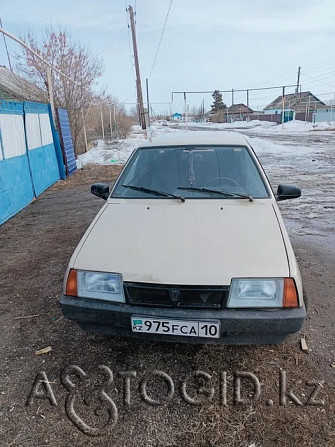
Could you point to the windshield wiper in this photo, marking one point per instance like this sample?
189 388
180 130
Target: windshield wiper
232 194
154 191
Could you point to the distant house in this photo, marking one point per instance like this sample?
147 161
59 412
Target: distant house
239 112
295 104
177 117
14 87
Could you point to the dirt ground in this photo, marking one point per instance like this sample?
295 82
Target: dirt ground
35 247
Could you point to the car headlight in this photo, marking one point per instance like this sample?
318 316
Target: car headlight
98 285
258 292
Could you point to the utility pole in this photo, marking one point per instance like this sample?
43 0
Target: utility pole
137 70
283 108
232 96
297 90
185 111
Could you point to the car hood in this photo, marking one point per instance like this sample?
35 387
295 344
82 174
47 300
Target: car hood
204 242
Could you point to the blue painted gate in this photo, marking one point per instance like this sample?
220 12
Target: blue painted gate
28 161
41 148
16 189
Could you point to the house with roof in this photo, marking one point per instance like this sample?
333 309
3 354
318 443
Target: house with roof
15 88
303 102
177 116
239 112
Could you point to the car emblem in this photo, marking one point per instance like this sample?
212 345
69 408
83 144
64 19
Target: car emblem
174 295
204 297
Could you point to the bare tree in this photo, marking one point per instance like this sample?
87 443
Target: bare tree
108 111
73 59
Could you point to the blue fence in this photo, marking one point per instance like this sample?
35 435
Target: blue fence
324 115
65 130
29 160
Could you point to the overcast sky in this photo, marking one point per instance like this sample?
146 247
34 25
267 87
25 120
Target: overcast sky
207 45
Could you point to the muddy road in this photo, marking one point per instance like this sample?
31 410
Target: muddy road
202 410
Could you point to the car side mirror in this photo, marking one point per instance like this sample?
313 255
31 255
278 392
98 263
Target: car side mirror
285 192
100 190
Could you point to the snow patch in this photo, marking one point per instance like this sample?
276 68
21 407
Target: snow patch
117 152
296 126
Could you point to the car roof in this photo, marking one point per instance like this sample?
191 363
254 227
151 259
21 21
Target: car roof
195 138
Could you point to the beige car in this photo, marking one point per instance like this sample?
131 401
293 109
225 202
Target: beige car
189 246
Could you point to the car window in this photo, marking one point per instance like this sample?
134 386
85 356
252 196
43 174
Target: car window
220 168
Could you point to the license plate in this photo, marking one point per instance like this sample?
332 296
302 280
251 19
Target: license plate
187 328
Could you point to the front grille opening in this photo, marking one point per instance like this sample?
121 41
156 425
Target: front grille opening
176 296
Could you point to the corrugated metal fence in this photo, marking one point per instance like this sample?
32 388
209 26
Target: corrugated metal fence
65 130
29 162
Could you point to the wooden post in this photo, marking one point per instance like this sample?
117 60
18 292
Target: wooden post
114 118
51 96
297 92
137 70
110 121
185 111
84 127
148 103
102 124
283 107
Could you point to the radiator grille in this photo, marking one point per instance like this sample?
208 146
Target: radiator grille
176 296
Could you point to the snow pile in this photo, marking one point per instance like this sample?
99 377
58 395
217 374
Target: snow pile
108 153
296 126
117 152
236 125
257 126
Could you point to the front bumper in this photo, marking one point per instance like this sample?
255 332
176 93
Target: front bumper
242 326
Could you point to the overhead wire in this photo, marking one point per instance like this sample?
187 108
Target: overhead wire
318 69
272 79
161 38
280 76
317 80
320 63
111 42
6 47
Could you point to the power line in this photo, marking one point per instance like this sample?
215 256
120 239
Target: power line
324 94
4 39
321 63
111 42
232 90
317 65
328 74
318 69
317 80
160 40
272 79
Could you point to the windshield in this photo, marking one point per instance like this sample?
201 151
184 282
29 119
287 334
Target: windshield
229 169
